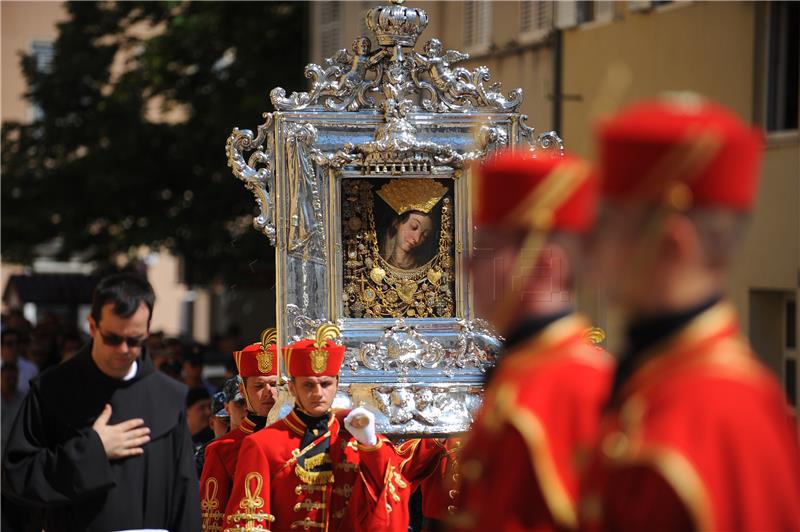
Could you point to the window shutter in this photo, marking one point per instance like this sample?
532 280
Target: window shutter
536 17
477 23
604 11
566 14
330 14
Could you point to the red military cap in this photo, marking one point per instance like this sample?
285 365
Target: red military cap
683 151
549 192
315 357
256 361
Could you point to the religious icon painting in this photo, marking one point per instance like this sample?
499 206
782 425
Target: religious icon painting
397 236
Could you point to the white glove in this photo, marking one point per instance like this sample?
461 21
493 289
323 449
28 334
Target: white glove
360 422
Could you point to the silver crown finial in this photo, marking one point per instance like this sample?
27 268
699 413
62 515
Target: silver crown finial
397 24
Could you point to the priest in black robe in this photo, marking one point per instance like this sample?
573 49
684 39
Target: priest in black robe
101 441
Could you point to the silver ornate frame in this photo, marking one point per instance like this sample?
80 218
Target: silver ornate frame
380 113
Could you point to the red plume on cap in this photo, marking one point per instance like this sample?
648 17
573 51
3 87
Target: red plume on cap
315 357
517 189
650 147
258 359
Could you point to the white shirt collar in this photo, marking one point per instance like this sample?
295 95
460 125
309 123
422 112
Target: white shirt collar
131 372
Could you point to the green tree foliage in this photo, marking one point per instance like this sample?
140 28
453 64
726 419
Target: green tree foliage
129 150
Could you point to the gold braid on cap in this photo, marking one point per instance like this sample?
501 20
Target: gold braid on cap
268 336
319 356
404 195
595 335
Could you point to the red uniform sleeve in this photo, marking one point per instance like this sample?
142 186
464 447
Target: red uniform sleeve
215 486
249 504
440 489
380 499
500 490
420 458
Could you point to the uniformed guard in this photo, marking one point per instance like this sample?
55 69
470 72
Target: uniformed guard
520 466
440 489
698 433
220 419
431 465
257 366
235 405
317 469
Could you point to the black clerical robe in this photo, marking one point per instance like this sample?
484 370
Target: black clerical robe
55 461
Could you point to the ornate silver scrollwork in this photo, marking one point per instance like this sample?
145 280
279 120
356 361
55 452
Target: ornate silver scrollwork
424 405
477 345
414 409
550 141
306 224
400 349
349 78
345 82
490 139
259 181
373 112
304 326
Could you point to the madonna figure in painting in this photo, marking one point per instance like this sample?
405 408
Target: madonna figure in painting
410 231
397 240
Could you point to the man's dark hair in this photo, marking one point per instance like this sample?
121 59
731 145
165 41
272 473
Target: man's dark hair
126 291
196 394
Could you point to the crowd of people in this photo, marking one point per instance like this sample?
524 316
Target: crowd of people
684 430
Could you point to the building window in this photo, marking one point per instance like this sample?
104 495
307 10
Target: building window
477 24
42 53
330 22
536 18
790 381
783 66
585 11
569 13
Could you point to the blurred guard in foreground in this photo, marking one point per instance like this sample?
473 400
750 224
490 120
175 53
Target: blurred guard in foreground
258 367
521 463
316 469
698 434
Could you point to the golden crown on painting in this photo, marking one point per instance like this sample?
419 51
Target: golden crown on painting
404 195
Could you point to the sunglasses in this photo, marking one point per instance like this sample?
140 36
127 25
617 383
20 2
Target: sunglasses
113 340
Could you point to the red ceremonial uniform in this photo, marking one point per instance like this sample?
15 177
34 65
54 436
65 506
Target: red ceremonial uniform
699 435
221 455
217 479
432 465
331 483
700 438
520 464
367 491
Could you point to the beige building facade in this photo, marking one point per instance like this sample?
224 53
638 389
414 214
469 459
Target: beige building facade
739 54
